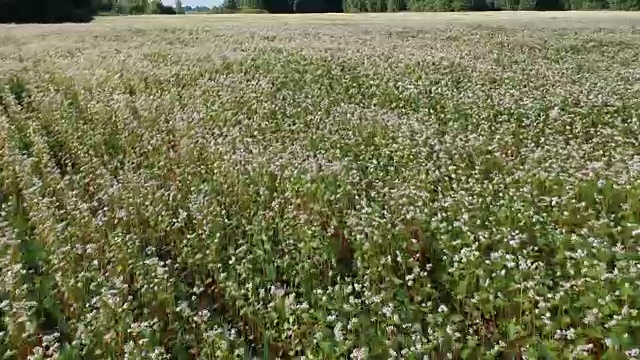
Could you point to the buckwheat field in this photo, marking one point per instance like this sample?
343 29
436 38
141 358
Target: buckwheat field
411 186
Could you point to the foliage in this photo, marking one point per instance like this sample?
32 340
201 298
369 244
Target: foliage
83 10
290 6
239 7
231 5
46 11
632 5
223 10
480 5
138 7
586 4
178 8
418 5
280 6
354 5
396 5
316 6
107 6
388 186
196 9
165 9
251 4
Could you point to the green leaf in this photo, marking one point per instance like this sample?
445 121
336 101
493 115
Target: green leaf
545 351
532 353
327 347
69 353
462 287
468 350
512 331
319 315
592 333
271 272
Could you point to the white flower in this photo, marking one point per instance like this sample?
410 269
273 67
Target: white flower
278 291
202 316
633 353
337 332
592 317
359 354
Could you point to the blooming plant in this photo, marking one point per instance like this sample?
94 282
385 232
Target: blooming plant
360 187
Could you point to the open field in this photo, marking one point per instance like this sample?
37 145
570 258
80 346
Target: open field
328 186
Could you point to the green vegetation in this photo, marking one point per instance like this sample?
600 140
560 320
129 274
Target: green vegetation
333 187
46 11
302 6
58 11
139 7
179 9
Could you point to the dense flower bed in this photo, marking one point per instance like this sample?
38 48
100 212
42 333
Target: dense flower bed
365 189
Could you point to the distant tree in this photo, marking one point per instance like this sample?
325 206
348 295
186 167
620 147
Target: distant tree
308 6
631 5
195 9
151 7
161 9
179 8
107 6
587 5
354 5
334 6
487 5
396 5
555 5
279 6
318 6
283 6
47 11
250 4
231 5
123 6
136 7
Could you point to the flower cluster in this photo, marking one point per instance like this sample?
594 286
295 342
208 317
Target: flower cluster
325 190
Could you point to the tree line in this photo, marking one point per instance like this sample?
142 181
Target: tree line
45 11
56 11
302 6
139 7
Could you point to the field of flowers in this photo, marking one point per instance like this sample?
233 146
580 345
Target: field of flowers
327 187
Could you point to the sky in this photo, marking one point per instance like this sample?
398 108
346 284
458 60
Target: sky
208 3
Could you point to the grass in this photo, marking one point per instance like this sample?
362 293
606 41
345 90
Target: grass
328 186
